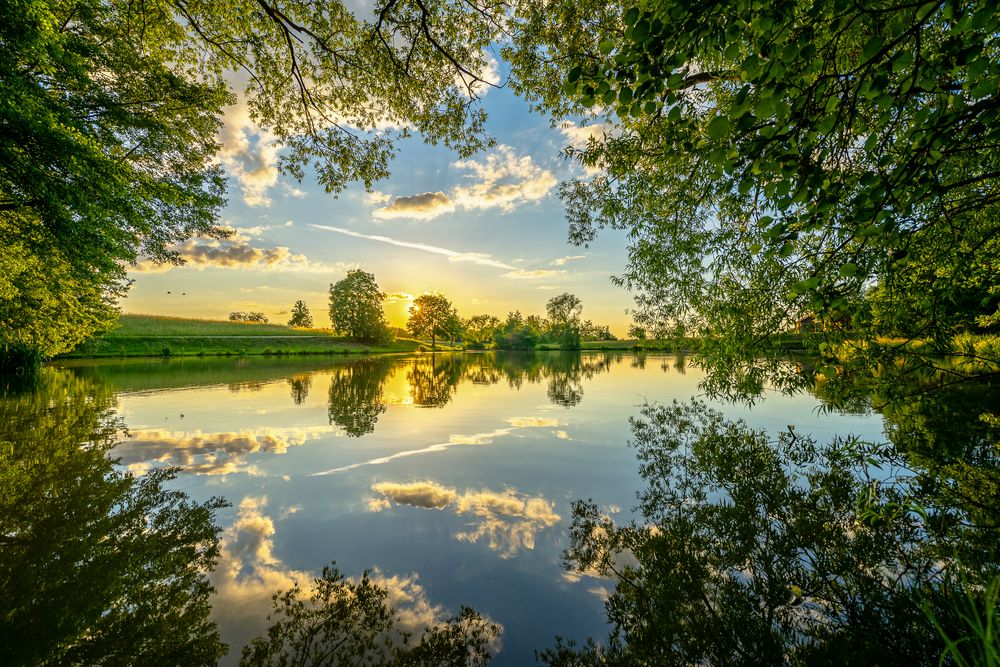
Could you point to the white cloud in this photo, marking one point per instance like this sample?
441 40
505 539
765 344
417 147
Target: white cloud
504 180
579 136
532 274
561 261
424 206
238 253
248 153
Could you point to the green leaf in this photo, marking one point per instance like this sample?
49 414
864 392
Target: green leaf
718 128
848 270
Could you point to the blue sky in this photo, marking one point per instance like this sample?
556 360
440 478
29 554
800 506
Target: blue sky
489 232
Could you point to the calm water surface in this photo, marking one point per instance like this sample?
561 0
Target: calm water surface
449 476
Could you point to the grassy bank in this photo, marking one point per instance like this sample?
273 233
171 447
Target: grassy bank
155 336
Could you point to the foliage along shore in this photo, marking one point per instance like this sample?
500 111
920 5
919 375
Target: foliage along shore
160 336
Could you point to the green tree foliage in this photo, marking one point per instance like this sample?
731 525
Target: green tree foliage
517 333
756 551
250 317
111 110
356 308
591 331
351 623
97 566
563 324
300 315
433 315
770 160
478 330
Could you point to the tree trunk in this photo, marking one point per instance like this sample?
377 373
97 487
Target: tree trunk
432 340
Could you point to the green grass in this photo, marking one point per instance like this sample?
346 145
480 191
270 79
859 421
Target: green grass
149 326
155 336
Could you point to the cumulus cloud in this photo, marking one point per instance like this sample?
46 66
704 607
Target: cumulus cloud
532 274
506 520
424 206
249 154
503 180
486 76
237 253
207 454
579 136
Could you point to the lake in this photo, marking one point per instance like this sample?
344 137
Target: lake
449 476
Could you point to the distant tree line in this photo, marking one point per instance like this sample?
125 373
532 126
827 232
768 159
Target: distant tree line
356 312
249 316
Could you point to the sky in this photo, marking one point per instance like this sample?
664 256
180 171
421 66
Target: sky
489 232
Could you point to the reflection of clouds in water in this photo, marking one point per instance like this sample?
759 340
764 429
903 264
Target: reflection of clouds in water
485 438
507 520
207 453
249 573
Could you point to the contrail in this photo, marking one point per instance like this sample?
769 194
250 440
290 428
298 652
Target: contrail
453 255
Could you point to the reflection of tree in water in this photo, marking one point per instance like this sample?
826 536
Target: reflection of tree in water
564 371
756 551
300 386
96 566
434 378
354 623
947 432
355 401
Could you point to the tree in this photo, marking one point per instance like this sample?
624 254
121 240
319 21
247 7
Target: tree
356 308
351 623
112 108
97 565
564 320
300 316
591 331
772 160
251 317
431 314
478 330
516 333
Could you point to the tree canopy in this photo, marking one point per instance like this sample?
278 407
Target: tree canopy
356 308
433 315
300 316
774 160
111 111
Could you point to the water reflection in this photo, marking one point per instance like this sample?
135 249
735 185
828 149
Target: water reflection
506 519
300 386
474 494
758 548
355 397
96 566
